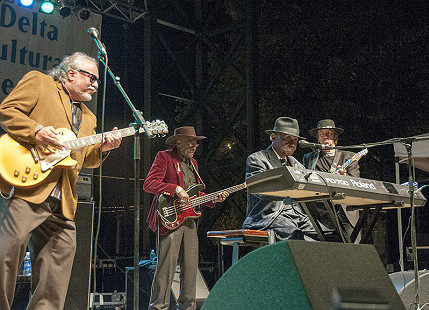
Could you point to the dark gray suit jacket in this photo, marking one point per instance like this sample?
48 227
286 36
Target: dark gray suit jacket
262 213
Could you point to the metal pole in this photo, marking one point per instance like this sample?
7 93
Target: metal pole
399 216
136 219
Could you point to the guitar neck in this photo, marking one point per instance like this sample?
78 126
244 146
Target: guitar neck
347 163
90 140
355 157
209 197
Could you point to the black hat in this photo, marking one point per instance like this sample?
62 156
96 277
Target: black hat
326 124
285 125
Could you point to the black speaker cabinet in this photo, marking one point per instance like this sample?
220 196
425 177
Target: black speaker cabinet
306 275
80 280
22 293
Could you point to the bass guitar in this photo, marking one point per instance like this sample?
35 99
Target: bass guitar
355 157
172 213
27 166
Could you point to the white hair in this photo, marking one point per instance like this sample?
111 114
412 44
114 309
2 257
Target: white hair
73 61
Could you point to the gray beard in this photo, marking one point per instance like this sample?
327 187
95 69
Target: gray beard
82 95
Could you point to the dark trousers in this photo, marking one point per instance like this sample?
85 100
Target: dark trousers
180 244
52 241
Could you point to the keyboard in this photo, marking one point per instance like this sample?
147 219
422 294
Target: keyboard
311 185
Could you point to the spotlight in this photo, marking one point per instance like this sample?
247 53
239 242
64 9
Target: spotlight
81 10
26 3
64 10
47 7
83 14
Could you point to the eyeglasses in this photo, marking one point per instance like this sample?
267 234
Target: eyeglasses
92 77
326 133
190 144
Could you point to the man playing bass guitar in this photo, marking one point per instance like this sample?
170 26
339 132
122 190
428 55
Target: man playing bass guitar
173 171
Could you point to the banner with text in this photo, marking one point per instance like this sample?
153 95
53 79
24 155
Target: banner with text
31 40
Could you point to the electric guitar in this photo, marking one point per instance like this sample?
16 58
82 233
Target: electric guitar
27 166
355 157
172 213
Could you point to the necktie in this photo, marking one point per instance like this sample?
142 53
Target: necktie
76 116
283 161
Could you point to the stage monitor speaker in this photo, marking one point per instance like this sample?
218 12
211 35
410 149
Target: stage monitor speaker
146 278
145 282
404 283
202 290
306 275
80 280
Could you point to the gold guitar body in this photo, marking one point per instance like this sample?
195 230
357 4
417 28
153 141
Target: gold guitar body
24 167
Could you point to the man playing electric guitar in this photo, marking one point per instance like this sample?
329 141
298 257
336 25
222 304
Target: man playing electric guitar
331 160
42 216
173 171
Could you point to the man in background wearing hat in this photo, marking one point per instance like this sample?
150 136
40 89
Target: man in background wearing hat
331 160
284 218
173 171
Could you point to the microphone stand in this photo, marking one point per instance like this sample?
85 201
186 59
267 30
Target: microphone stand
140 123
411 178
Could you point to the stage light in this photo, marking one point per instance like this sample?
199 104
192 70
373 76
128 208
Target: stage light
47 7
81 10
83 14
64 10
26 3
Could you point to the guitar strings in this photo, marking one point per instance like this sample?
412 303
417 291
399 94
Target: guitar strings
173 208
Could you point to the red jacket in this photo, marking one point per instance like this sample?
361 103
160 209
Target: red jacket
163 177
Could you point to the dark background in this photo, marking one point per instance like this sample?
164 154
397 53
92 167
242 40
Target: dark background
362 63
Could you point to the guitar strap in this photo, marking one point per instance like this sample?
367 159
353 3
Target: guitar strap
195 170
334 164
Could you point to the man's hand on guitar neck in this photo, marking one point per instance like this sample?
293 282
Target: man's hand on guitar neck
46 138
111 141
221 197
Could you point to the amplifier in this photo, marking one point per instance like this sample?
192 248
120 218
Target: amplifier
84 187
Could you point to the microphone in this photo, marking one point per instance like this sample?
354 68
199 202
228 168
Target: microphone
304 144
93 33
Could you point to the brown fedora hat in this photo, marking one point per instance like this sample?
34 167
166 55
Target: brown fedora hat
183 132
286 125
326 124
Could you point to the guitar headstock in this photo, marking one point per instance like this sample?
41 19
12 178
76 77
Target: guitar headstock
156 128
362 153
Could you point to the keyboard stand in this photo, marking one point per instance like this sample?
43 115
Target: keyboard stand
327 200
372 218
